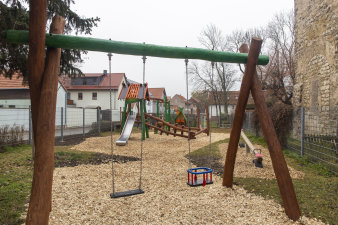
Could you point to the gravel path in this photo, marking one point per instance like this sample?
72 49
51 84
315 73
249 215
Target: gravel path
81 193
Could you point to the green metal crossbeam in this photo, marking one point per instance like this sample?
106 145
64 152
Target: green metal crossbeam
129 48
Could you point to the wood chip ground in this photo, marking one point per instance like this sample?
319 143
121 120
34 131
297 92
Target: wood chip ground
81 193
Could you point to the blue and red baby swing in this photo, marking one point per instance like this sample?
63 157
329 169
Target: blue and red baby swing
194 174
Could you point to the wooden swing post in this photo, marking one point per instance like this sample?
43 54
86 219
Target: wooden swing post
251 82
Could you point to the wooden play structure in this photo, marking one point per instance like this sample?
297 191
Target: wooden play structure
250 83
138 94
180 117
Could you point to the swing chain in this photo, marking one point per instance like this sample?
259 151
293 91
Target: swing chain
209 155
186 76
111 123
144 58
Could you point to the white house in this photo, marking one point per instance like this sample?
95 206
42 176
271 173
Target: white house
232 102
93 90
15 102
156 94
14 93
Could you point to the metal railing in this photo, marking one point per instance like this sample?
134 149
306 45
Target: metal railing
70 123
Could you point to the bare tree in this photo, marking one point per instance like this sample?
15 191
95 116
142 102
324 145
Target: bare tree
204 79
278 42
223 78
279 75
239 37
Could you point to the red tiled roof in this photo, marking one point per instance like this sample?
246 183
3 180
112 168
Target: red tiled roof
180 96
157 92
93 74
232 98
15 83
196 100
116 79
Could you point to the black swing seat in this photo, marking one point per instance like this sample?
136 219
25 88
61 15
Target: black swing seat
126 193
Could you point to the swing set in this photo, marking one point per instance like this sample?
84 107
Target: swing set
250 83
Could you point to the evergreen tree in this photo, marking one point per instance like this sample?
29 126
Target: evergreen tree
14 14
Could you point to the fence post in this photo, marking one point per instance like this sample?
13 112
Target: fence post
302 128
61 124
99 120
249 122
29 126
83 124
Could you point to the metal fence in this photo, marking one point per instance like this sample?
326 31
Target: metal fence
311 137
315 139
70 123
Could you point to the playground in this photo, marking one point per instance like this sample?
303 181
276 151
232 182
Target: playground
80 192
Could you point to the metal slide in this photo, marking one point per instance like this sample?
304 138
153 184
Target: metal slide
128 127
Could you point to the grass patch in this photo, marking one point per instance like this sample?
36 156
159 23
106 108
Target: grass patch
316 193
15 182
220 130
206 151
16 171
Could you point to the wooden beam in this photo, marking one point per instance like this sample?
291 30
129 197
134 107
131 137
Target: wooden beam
278 161
205 130
165 123
128 48
171 133
250 70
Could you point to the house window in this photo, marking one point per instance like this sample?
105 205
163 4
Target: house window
11 106
68 95
236 97
79 96
94 96
1 106
228 97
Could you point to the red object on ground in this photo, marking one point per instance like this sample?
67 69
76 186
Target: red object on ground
210 177
259 155
188 178
204 181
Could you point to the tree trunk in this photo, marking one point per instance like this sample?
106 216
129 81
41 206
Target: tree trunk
41 194
36 57
226 112
220 114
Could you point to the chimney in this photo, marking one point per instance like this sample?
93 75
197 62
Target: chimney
104 72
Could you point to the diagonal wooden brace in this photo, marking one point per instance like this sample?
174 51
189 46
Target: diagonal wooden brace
251 82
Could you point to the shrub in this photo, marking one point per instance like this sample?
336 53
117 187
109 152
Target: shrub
11 135
281 115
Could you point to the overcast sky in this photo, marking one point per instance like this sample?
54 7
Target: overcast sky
171 23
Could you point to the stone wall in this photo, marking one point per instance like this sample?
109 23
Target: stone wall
316 86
